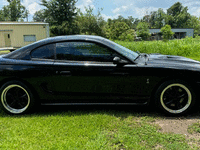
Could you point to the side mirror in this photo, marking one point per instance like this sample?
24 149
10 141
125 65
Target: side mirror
116 60
119 61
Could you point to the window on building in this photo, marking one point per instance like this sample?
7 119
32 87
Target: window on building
29 38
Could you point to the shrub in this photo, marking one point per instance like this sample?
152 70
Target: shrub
129 35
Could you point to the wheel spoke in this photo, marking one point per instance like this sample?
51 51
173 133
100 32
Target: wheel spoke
13 103
169 102
20 104
178 105
23 96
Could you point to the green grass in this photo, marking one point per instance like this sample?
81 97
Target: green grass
194 128
4 52
88 130
188 47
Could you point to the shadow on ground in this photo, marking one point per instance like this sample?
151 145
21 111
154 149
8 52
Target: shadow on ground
122 111
116 110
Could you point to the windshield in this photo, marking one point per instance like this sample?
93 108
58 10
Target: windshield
126 52
122 50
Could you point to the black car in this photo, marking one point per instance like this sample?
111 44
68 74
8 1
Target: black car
82 69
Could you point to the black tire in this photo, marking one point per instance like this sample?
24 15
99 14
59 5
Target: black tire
16 98
175 97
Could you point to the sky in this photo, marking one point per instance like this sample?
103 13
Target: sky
113 8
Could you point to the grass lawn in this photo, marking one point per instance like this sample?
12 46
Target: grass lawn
53 128
4 52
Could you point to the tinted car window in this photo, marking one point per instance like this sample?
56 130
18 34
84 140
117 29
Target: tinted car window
83 51
44 52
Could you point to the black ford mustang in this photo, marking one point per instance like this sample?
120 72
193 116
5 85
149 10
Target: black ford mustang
84 69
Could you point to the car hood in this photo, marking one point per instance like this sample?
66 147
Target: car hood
169 61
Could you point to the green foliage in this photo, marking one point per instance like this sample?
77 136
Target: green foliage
178 17
14 11
89 23
157 19
60 10
115 29
194 128
60 14
143 30
194 23
129 35
65 29
188 47
175 9
167 32
41 16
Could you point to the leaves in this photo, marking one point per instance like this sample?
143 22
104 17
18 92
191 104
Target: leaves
143 30
167 32
14 11
59 10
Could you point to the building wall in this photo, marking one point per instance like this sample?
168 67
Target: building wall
18 30
188 32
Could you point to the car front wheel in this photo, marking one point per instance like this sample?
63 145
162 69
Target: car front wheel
16 98
175 97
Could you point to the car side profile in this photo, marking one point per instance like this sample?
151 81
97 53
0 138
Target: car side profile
85 69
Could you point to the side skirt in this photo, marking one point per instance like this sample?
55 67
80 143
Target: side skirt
59 104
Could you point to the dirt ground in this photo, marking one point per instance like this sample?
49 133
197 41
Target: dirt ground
179 125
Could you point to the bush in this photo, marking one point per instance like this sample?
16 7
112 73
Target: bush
129 35
167 32
188 47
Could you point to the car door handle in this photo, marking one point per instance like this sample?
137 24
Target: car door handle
64 72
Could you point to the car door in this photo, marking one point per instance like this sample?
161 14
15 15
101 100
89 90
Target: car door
41 71
86 69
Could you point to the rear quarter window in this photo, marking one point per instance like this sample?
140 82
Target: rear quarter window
44 52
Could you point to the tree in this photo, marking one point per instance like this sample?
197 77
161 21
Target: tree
178 17
89 23
14 11
41 16
116 29
143 30
175 9
61 16
26 14
194 23
129 35
60 10
167 32
160 18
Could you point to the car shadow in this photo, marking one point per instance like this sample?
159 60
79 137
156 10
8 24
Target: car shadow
122 111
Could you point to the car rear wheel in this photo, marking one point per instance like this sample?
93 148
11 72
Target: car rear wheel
175 97
16 98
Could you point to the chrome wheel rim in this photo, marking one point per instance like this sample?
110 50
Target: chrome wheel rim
176 98
15 99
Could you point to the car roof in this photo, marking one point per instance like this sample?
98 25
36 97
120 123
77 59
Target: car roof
23 52
72 37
